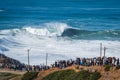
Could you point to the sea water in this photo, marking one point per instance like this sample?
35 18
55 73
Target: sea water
65 29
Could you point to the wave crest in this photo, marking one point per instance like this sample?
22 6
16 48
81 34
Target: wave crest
47 29
44 30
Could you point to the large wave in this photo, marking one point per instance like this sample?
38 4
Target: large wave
47 29
63 30
44 30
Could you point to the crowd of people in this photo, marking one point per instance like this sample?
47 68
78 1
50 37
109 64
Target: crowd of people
12 64
96 61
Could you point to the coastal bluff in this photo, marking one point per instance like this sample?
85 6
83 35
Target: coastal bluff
113 74
106 72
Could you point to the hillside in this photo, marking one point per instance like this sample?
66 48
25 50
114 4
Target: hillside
17 73
113 74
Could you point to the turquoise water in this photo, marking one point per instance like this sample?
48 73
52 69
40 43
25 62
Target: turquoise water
83 14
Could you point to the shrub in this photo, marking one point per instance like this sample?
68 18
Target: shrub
95 76
29 75
82 75
107 68
59 75
72 75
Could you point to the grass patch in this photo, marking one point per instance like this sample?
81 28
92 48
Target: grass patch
7 76
29 75
107 68
72 75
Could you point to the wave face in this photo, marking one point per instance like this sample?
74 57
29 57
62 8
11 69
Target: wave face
85 34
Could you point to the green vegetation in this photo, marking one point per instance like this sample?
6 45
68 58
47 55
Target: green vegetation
95 76
30 76
117 67
7 76
72 75
107 68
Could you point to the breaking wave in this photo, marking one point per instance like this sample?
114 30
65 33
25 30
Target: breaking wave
63 30
44 30
47 29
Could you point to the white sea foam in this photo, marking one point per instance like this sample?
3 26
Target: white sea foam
18 41
60 49
47 29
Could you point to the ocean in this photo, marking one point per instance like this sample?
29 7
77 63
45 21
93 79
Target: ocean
65 29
